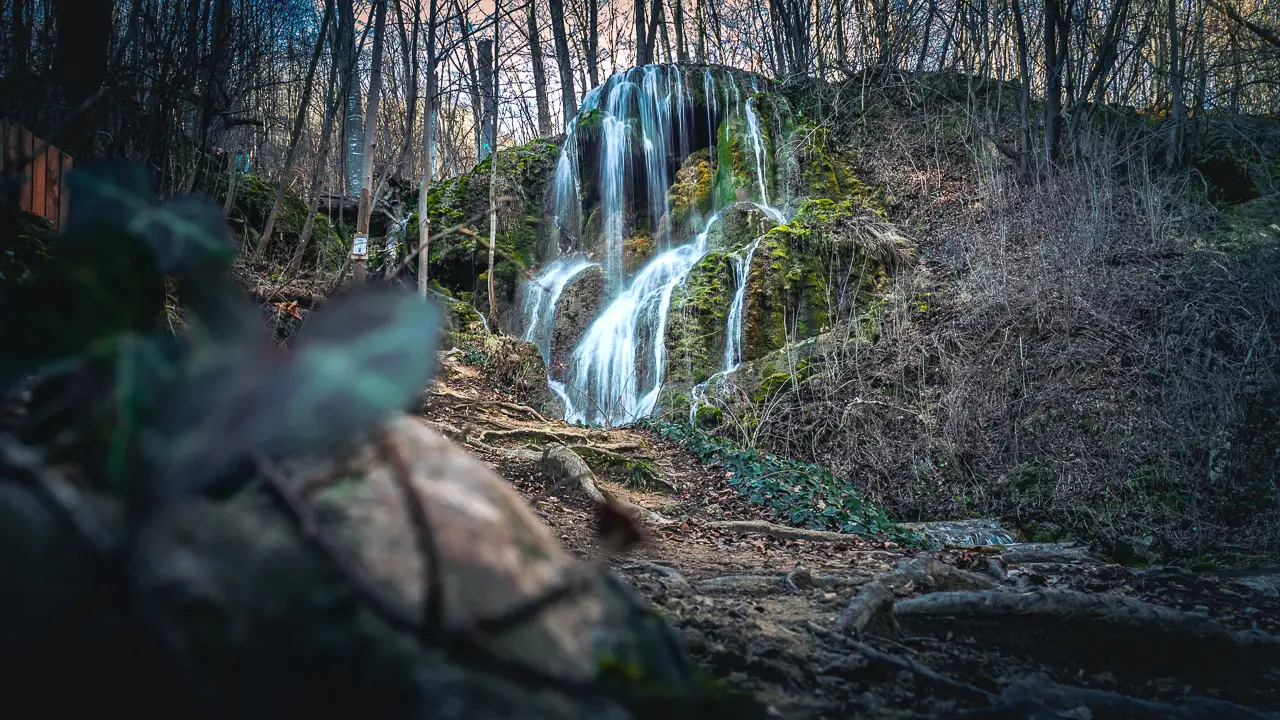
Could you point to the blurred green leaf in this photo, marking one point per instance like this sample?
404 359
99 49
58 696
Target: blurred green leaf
360 359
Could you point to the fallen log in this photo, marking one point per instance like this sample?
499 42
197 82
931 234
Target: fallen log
562 463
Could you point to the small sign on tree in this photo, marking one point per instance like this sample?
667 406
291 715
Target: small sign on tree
360 247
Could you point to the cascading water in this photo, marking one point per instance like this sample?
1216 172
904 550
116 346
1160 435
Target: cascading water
604 386
643 120
542 295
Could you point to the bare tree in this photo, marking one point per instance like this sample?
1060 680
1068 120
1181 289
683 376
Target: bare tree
291 155
568 99
370 127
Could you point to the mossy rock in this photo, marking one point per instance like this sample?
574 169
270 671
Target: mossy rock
636 251
696 321
251 206
823 267
690 196
26 254
458 208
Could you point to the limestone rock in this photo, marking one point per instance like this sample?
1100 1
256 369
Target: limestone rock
580 302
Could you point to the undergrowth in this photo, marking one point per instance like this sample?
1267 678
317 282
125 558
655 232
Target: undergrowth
798 493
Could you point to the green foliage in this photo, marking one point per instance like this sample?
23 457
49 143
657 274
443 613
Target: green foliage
474 356
158 416
798 493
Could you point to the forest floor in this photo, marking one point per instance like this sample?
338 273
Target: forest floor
861 628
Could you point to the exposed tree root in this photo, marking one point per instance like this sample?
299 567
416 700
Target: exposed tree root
562 463
444 393
672 576
1064 627
781 531
1104 704
870 607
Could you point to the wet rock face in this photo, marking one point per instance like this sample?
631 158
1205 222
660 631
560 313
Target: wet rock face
739 224
696 323
690 197
580 302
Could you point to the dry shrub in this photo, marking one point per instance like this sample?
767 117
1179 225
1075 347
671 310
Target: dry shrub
1063 354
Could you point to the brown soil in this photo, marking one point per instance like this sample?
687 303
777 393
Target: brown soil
766 613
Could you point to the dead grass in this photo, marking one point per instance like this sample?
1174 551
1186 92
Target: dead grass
1062 355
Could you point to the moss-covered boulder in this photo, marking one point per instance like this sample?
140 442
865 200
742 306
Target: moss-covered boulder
697 321
816 271
254 198
459 212
580 302
25 251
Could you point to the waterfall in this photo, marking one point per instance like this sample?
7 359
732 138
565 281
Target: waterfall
753 134
541 296
644 119
733 334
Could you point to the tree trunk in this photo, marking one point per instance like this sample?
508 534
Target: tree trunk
1024 99
409 61
353 133
539 73
701 19
492 90
488 121
291 155
1053 21
928 27
371 129
474 82
682 54
842 50
80 65
642 42
1174 152
568 99
428 152
335 100
593 42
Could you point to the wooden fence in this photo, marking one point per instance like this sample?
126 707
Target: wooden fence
43 189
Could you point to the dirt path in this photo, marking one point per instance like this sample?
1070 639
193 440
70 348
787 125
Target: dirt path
858 629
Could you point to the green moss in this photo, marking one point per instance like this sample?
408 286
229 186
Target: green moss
788 296
690 195
696 321
254 198
636 251
736 170
458 208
